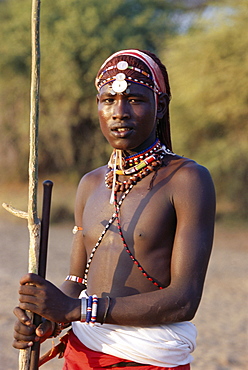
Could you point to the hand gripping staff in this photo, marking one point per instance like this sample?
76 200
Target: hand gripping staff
36 264
44 232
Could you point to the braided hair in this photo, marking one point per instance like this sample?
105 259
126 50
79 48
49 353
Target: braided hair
163 126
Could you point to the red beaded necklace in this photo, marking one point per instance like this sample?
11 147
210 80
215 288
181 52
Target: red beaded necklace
137 167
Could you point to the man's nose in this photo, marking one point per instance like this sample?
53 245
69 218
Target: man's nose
121 110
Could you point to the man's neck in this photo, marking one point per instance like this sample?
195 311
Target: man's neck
143 147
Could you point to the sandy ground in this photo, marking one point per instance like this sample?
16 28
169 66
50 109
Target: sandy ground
221 319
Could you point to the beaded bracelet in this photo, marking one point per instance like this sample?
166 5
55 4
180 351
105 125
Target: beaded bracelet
89 309
83 309
74 278
94 310
76 229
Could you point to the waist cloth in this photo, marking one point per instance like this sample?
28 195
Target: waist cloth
79 357
158 345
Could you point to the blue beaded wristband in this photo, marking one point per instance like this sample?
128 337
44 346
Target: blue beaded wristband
89 309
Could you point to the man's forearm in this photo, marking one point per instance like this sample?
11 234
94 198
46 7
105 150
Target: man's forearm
71 288
152 308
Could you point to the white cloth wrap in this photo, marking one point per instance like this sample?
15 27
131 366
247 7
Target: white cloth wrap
160 345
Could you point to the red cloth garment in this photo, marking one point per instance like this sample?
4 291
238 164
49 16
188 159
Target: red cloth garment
79 357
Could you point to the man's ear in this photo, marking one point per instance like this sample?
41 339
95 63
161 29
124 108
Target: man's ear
162 105
97 98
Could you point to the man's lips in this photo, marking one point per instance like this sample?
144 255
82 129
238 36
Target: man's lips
121 131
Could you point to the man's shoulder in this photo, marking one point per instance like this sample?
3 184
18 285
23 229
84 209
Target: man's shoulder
94 174
189 178
92 178
186 167
185 171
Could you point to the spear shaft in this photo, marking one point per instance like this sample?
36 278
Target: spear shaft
32 214
33 220
34 113
47 189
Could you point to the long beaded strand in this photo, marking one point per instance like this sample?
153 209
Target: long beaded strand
111 220
135 261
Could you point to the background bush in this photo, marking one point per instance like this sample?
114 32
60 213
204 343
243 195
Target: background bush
203 45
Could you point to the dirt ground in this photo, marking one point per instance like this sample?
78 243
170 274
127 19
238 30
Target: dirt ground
221 319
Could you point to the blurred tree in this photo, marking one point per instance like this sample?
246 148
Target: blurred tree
208 67
14 88
207 64
76 37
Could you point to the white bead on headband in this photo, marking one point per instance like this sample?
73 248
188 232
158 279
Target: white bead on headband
120 84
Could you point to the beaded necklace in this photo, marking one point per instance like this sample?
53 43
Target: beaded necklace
137 166
141 165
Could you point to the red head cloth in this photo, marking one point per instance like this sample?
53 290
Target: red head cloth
118 73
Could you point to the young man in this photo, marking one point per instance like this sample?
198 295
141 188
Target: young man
143 237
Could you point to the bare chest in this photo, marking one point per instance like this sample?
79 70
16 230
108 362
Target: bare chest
144 228
144 215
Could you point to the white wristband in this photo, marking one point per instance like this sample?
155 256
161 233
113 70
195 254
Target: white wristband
83 309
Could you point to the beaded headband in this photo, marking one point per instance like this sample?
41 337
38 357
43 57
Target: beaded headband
120 80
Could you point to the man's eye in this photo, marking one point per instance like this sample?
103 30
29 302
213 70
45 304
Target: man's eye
134 100
108 100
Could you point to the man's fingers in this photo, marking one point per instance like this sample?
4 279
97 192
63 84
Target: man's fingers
28 307
45 329
27 289
26 298
21 345
31 279
23 337
23 329
22 316
24 334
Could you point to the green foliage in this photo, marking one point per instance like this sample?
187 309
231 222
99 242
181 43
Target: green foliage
76 37
208 67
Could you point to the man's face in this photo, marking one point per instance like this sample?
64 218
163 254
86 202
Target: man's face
128 120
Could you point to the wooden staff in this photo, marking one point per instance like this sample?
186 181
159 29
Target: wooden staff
47 188
31 215
33 220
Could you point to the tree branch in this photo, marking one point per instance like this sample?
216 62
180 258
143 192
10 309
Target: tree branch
15 211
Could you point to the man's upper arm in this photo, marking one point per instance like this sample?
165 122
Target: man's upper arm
194 202
78 254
